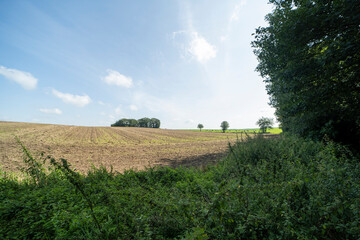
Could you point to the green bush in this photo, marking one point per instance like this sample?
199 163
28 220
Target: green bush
283 188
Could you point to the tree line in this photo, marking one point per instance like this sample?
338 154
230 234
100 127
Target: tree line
309 56
142 122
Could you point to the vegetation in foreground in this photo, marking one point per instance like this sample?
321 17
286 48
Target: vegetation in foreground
282 188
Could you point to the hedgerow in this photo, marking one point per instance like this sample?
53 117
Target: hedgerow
283 188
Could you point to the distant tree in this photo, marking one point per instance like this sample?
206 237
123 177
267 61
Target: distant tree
120 123
144 122
126 122
265 123
224 126
133 123
200 126
154 123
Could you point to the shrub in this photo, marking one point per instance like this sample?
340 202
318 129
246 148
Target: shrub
281 188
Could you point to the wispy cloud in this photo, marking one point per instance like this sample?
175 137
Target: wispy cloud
76 100
25 79
112 117
133 107
224 38
235 14
118 110
189 121
51 110
177 33
116 78
157 105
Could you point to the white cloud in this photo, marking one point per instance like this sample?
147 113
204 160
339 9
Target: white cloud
192 44
76 100
101 103
201 49
133 107
116 78
52 110
25 79
236 12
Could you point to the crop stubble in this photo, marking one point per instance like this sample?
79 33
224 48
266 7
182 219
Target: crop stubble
122 148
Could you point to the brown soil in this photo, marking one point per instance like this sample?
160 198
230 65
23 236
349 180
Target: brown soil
121 148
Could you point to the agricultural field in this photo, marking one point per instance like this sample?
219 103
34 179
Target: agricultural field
122 148
247 130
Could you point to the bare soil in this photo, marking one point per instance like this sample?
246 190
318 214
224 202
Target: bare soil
122 148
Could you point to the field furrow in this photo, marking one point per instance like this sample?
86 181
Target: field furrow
121 148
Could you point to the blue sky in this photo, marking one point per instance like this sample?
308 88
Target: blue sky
91 63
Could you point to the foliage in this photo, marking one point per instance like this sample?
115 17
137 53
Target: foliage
34 168
124 122
283 188
224 126
200 126
265 123
143 122
154 123
309 56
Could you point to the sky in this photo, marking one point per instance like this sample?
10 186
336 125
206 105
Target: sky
90 63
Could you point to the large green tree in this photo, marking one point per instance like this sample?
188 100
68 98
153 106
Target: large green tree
309 56
224 126
264 123
154 123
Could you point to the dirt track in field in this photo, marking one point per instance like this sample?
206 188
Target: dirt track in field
121 148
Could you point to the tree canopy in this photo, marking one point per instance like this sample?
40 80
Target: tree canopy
200 126
309 56
264 123
224 126
143 122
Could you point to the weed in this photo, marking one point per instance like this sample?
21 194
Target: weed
280 188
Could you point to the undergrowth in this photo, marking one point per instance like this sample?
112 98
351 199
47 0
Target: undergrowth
283 188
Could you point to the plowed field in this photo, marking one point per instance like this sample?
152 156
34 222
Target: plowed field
122 148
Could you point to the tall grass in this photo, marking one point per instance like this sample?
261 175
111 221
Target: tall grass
283 188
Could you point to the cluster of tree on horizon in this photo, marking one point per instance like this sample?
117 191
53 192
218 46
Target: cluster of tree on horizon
142 122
